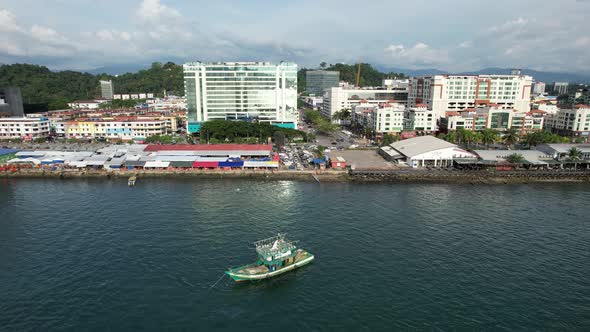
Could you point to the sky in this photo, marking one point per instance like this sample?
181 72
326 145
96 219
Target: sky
451 35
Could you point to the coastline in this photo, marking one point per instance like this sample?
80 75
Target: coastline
434 177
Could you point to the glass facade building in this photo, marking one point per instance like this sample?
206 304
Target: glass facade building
317 81
249 91
106 89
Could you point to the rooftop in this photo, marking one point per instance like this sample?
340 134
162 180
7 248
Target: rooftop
209 147
422 144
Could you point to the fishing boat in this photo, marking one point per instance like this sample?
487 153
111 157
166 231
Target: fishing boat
131 181
276 255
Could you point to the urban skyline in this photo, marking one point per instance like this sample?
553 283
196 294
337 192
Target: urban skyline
140 31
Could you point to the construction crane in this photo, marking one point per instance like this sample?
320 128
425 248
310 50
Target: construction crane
358 74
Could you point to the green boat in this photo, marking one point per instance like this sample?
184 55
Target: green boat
276 255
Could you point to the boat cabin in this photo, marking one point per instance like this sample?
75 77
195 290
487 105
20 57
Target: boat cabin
276 252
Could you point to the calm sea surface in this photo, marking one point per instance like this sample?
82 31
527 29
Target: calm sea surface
97 255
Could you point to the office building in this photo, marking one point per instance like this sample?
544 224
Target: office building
106 89
317 81
539 88
443 93
560 88
11 102
250 91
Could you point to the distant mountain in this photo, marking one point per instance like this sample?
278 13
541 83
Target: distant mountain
541 76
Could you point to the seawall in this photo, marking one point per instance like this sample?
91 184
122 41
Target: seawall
397 176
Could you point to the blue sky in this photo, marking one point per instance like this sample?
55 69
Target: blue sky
454 35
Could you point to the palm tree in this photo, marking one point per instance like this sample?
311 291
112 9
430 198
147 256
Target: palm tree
451 137
511 137
574 154
515 158
532 139
477 137
489 136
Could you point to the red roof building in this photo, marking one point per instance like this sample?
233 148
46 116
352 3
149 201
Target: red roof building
208 147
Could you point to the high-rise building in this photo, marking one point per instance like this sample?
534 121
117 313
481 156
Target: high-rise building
443 93
560 88
317 81
106 89
11 102
539 88
251 91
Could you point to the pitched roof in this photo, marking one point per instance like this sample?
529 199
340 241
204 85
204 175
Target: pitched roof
422 144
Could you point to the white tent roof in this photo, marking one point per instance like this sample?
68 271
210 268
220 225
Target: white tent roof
156 164
419 145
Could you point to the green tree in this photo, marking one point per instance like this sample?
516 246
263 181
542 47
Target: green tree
515 158
477 137
279 138
451 136
489 136
532 139
323 64
344 114
388 139
575 155
511 137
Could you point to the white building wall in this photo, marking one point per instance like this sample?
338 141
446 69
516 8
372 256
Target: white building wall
25 128
443 93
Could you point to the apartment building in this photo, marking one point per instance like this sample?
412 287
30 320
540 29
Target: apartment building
443 93
115 129
384 118
493 118
24 128
420 119
571 122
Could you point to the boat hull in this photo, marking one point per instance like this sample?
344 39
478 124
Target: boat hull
241 277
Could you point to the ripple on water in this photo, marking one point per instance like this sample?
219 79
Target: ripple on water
96 255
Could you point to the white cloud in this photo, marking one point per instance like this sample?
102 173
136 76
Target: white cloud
154 10
46 34
416 56
8 21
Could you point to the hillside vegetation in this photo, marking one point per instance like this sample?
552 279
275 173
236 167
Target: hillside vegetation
52 90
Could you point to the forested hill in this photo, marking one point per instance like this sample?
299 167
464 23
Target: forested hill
369 75
51 90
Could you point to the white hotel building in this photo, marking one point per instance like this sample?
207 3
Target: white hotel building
259 91
443 93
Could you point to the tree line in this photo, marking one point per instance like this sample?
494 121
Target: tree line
509 137
223 131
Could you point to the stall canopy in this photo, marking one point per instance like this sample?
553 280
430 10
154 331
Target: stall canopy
134 163
156 164
181 164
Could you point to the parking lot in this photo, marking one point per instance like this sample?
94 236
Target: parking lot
362 159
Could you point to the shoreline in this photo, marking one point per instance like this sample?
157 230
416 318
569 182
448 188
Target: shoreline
453 177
